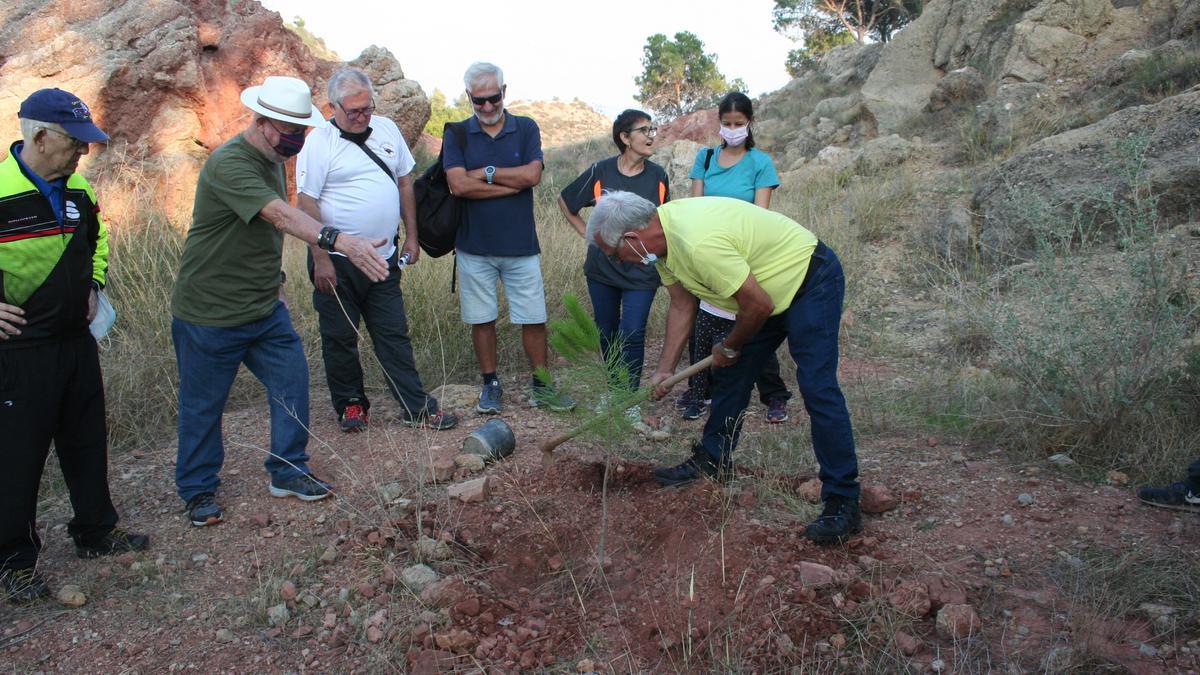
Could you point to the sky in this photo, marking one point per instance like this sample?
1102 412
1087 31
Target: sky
548 48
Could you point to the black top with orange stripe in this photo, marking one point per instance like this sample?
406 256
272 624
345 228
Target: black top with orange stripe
46 267
652 183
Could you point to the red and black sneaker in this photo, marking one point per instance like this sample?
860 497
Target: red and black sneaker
354 418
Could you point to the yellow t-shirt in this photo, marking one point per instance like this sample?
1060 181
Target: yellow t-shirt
715 243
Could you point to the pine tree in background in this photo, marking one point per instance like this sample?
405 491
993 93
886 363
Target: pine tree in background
678 77
822 25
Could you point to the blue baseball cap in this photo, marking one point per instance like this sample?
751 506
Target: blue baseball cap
64 109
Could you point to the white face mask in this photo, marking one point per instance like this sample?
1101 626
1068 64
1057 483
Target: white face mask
645 257
734 135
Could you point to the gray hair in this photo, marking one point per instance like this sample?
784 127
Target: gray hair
29 128
481 71
616 213
349 81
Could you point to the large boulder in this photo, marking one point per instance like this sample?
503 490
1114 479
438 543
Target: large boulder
1018 112
850 64
958 88
1042 41
699 126
163 77
1187 19
396 97
899 86
1080 179
677 158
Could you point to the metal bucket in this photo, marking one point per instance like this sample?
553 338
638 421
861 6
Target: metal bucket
494 440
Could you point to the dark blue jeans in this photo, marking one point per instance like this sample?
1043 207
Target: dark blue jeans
381 306
621 314
810 325
208 358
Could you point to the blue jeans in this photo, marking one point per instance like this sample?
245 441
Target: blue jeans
810 325
621 315
208 358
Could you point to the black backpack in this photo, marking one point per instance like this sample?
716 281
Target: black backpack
438 211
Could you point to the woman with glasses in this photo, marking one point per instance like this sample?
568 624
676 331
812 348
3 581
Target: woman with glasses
621 292
735 169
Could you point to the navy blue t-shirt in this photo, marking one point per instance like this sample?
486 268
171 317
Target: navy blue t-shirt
504 225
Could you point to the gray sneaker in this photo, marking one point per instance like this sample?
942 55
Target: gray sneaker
489 399
546 396
307 488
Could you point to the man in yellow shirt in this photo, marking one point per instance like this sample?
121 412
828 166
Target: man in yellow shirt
782 283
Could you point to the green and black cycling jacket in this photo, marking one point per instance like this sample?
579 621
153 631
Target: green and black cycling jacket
46 267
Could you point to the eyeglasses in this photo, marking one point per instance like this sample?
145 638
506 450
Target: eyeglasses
650 130
494 99
79 145
289 130
364 111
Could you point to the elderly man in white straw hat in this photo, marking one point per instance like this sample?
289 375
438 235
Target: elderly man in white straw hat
228 302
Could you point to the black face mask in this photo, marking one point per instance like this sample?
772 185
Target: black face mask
289 145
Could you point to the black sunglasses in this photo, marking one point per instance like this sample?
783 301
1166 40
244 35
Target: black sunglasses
494 99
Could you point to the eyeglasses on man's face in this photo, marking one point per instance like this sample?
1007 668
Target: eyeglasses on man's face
648 129
364 111
78 144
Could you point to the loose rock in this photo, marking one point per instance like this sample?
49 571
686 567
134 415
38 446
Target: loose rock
431 549
469 461
476 490
957 621
876 499
278 615
911 598
810 491
71 596
816 575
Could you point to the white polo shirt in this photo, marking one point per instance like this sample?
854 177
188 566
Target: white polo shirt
353 193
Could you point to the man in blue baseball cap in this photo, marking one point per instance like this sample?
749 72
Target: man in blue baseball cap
53 261
64 109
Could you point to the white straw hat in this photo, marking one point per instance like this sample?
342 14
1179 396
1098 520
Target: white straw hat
286 99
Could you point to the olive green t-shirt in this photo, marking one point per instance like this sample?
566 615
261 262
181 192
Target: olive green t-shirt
229 274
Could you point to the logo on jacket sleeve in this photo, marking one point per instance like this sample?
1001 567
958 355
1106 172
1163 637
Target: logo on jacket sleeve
71 211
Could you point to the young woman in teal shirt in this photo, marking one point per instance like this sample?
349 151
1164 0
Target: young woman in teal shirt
739 170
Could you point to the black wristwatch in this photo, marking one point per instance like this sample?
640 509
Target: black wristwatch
327 237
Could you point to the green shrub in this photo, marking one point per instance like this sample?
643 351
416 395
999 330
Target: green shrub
1092 346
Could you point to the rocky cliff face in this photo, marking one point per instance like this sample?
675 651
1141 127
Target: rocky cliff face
163 76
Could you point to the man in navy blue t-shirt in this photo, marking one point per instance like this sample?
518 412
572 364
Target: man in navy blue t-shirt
497 240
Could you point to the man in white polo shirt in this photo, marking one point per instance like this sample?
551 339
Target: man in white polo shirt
354 175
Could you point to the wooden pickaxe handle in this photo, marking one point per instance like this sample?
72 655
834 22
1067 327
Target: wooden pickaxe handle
699 366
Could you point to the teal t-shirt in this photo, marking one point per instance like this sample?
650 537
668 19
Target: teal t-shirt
229 274
755 170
